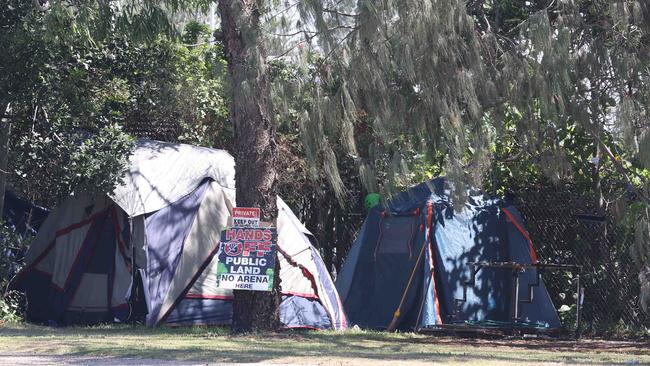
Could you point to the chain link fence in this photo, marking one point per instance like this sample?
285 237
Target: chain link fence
566 228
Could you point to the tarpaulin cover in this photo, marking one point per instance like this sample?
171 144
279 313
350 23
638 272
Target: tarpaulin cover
166 231
200 246
160 173
375 277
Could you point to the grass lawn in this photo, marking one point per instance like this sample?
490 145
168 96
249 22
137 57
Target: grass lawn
320 348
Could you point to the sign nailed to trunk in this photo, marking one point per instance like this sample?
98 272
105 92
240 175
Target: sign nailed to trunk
246 217
247 259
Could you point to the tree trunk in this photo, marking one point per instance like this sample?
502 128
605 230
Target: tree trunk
255 147
5 132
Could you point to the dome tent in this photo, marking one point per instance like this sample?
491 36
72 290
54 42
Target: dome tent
159 231
413 253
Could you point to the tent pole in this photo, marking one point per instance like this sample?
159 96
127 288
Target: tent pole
397 313
133 270
417 321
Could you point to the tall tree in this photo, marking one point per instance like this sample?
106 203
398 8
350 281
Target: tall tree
439 75
254 144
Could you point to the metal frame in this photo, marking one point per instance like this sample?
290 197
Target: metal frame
517 269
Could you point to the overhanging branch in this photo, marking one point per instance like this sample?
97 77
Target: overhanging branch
621 169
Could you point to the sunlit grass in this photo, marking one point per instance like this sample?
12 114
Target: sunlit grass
324 348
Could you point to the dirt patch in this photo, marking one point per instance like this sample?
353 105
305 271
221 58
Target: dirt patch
43 360
592 345
641 347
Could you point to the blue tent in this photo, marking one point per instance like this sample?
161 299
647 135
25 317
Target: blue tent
23 215
25 218
412 254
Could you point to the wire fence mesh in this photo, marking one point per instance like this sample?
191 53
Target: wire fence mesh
567 229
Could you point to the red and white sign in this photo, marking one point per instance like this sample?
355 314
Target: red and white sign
246 217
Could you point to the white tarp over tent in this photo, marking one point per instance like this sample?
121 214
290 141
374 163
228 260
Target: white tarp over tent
160 173
165 220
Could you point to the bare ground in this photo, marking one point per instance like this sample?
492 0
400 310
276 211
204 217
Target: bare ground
45 360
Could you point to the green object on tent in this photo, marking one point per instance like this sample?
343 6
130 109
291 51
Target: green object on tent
372 200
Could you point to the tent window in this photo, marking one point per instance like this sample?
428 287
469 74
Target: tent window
397 234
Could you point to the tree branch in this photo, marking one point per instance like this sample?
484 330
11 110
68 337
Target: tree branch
336 12
312 33
621 169
336 46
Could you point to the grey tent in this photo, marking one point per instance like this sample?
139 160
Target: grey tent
159 232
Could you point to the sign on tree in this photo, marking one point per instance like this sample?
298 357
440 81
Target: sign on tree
246 217
247 259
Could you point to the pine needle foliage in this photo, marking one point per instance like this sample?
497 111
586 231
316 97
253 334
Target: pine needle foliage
436 78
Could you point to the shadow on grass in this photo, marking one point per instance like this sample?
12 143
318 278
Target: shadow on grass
641 346
270 354
217 345
29 330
